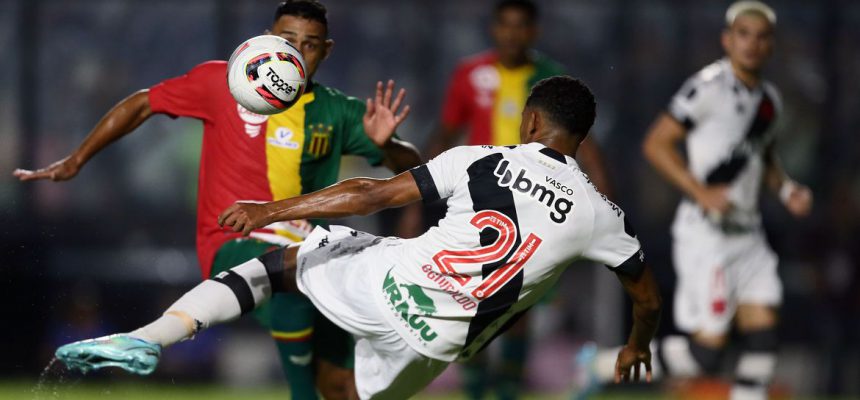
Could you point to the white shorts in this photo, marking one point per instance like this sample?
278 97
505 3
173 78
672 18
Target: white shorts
335 273
717 272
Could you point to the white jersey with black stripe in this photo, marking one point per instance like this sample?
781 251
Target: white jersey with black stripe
516 217
729 126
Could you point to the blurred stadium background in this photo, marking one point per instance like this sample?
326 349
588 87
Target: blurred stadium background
108 250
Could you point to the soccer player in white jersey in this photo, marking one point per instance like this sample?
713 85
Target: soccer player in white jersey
517 216
726 272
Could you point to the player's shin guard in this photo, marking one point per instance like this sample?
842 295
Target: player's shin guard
707 358
223 298
756 365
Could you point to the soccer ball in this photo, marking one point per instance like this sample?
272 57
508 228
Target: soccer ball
266 74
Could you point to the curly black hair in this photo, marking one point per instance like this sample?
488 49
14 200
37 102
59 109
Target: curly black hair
528 7
567 101
307 9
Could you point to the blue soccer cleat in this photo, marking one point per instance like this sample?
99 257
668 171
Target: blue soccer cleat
586 382
121 350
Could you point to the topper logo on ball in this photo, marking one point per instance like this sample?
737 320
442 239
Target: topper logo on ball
279 83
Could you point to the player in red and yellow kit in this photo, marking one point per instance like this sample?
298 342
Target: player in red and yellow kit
253 157
487 90
484 99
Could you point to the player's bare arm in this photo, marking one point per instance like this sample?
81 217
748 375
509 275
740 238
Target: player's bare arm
357 196
643 290
661 150
796 197
123 118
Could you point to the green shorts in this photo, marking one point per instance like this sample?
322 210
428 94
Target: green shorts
328 341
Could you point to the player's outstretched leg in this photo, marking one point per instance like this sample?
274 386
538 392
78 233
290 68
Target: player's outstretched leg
223 298
123 351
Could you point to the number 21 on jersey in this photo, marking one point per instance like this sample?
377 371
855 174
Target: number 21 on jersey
497 251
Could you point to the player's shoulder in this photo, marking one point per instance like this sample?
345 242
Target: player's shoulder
546 66
464 156
479 150
711 76
212 67
320 90
708 82
332 96
604 209
474 61
329 93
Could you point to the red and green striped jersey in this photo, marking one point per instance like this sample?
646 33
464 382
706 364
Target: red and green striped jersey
489 97
246 156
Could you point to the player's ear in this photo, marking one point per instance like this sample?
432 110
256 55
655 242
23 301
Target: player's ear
329 44
532 123
725 38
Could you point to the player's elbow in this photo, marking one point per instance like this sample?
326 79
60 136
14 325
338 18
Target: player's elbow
651 147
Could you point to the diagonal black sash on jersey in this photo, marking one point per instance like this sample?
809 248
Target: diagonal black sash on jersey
728 170
486 194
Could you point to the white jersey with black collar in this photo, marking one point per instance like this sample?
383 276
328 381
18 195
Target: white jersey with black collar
516 217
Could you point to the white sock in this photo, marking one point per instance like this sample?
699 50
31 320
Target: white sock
753 374
167 330
220 299
679 361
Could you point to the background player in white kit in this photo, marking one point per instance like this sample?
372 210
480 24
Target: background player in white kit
517 216
726 271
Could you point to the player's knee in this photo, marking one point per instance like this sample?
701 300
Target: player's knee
281 268
708 358
335 383
760 341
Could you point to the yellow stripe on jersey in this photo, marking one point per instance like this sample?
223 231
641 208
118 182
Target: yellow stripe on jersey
510 100
285 140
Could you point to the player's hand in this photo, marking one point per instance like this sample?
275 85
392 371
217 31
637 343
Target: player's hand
62 170
629 358
381 118
799 200
244 217
714 199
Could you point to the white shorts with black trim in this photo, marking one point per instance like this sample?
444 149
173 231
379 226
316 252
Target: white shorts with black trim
335 273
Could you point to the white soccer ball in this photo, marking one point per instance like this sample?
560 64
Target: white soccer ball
266 74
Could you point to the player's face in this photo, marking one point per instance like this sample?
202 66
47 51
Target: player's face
309 36
513 33
749 41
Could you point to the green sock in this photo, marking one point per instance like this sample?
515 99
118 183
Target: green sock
475 376
292 328
514 354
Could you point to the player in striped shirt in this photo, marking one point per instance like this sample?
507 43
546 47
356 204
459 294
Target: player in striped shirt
483 101
727 273
246 156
